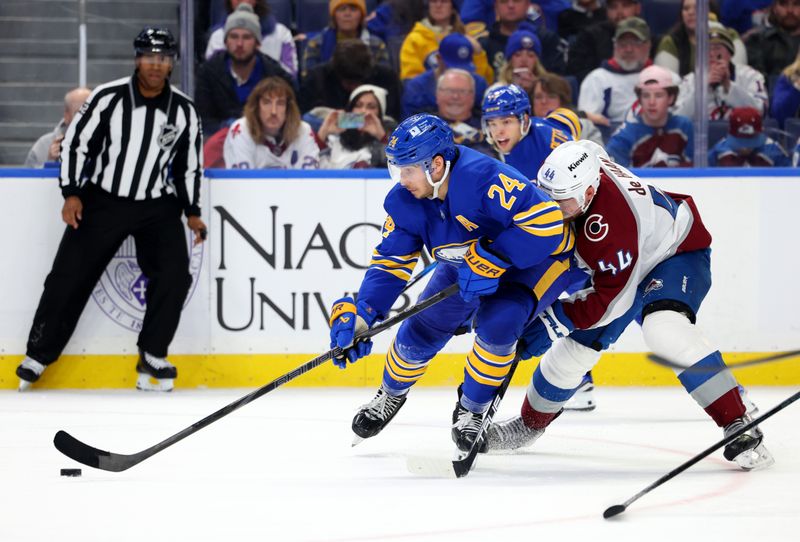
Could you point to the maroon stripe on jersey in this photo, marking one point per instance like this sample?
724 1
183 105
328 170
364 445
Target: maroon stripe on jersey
535 419
727 408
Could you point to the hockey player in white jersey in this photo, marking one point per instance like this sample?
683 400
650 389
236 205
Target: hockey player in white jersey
649 255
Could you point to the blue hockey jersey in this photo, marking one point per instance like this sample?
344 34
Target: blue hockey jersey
485 198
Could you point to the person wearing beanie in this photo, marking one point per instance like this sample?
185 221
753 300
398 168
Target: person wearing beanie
275 39
347 23
418 52
355 137
746 144
730 84
225 81
654 137
522 66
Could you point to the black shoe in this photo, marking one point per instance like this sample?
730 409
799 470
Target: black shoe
158 368
375 415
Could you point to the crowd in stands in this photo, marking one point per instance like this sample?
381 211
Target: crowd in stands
327 97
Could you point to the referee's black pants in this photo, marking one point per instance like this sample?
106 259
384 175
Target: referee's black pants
83 255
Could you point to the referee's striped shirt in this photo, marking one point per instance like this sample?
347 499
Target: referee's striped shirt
135 147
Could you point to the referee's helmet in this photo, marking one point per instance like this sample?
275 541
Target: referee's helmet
155 40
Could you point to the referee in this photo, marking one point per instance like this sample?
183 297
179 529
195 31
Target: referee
131 162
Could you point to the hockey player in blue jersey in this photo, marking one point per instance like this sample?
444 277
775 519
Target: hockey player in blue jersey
523 141
492 231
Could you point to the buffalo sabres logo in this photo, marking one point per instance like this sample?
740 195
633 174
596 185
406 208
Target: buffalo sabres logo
451 253
167 137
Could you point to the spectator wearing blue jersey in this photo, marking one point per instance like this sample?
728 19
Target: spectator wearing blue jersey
419 93
655 137
347 23
394 19
746 144
485 10
742 15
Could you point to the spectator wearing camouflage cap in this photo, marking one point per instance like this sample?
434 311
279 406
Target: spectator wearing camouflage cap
226 79
729 84
347 23
610 90
595 43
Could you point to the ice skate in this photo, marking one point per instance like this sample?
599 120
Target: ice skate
583 398
466 426
511 434
29 372
155 374
375 415
747 450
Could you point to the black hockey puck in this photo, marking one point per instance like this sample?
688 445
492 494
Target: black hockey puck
70 472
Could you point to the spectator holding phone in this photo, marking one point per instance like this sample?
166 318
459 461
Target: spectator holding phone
356 136
522 66
271 133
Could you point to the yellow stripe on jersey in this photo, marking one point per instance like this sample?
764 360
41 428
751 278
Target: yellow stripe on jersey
400 266
488 356
567 241
549 277
480 265
568 118
401 370
544 219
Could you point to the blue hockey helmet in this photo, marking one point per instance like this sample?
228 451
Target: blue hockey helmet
415 142
506 101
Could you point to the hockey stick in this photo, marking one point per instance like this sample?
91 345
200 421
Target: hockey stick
462 464
616 509
113 462
415 279
759 361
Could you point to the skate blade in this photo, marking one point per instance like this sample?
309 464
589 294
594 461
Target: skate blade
756 459
145 382
24 385
356 441
430 467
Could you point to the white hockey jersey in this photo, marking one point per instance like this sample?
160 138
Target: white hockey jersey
241 152
747 89
608 92
629 228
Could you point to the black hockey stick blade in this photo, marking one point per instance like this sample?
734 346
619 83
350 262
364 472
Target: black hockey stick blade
463 465
113 462
617 509
758 361
464 462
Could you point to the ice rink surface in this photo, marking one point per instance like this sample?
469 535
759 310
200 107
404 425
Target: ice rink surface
282 469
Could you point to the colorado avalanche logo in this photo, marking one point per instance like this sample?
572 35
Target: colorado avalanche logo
120 292
655 284
595 229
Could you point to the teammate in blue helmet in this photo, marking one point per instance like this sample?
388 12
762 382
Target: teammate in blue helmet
493 232
521 140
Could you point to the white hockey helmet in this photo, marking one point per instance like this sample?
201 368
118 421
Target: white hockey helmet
570 169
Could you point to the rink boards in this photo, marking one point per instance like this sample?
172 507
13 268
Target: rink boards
283 245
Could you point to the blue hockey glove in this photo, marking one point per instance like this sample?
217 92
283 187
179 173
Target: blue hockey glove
480 272
551 324
347 320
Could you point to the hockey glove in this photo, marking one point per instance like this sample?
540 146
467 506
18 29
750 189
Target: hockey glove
480 272
347 320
